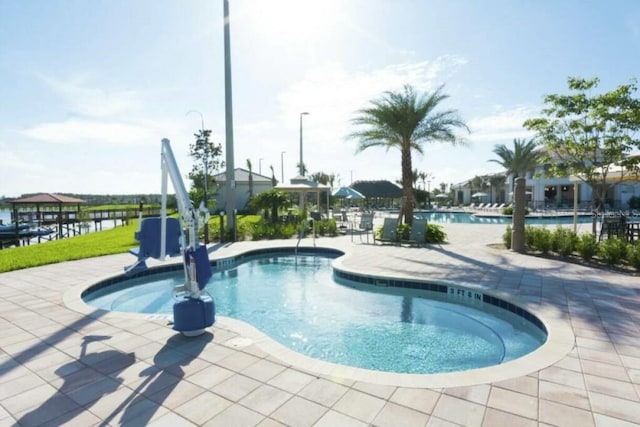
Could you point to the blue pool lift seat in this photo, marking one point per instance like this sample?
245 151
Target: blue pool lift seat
150 241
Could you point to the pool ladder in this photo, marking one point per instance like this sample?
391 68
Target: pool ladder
305 224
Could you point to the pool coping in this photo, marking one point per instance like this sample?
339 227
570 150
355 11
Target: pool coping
560 336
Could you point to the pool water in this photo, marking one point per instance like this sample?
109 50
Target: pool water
298 303
470 218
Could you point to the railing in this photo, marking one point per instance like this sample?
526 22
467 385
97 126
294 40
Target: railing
303 228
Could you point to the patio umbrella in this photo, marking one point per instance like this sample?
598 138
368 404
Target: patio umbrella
348 192
479 194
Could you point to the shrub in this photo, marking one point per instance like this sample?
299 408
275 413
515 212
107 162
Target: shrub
587 246
404 231
508 210
529 236
613 250
268 230
633 255
506 237
326 227
540 239
435 234
563 241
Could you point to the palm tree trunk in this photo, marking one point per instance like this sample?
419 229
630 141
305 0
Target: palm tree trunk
407 184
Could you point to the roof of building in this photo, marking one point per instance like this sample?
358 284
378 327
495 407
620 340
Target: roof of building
386 189
50 198
242 175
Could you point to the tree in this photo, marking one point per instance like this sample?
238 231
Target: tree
320 177
274 181
406 120
273 199
586 135
521 159
207 156
250 167
495 182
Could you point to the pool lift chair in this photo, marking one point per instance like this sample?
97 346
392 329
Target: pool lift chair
162 236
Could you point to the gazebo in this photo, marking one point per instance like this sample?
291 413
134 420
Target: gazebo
49 209
301 185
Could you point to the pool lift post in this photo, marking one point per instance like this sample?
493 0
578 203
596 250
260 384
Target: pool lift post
162 236
194 312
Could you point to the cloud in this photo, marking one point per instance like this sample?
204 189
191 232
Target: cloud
75 131
503 124
333 94
82 99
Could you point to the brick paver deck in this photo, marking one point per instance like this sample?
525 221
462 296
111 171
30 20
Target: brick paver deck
64 365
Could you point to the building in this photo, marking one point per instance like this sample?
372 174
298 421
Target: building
260 184
544 192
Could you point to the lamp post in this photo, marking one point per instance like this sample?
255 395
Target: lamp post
304 113
205 161
282 166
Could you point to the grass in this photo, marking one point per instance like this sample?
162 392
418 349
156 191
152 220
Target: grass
108 242
114 241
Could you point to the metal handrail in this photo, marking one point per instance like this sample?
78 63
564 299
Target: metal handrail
305 224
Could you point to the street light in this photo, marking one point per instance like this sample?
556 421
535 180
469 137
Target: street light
282 165
304 113
205 161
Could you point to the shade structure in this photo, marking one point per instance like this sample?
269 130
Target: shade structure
348 192
441 196
479 194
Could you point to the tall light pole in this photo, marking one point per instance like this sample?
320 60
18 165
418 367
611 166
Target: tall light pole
205 162
282 165
304 113
230 185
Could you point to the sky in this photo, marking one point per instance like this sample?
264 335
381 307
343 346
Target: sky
88 89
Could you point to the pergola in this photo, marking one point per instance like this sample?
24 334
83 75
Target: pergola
300 185
44 200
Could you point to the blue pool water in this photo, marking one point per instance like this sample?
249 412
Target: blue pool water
470 218
299 304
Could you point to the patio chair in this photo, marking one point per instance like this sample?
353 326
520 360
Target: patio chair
418 234
365 224
389 231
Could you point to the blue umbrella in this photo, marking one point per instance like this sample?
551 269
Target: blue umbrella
348 192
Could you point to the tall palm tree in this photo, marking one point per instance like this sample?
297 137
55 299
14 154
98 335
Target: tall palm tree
406 120
250 166
274 181
521 159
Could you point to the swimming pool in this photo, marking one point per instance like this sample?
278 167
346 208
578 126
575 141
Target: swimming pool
480 218
347 319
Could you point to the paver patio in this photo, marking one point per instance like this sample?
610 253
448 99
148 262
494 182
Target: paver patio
63 366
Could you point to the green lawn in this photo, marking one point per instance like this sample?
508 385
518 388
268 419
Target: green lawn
108 242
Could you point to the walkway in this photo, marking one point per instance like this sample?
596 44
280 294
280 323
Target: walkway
60 364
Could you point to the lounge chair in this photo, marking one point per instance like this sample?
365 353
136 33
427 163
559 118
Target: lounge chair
389 231
418 234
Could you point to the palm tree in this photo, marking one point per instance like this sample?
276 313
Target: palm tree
273 199
406 120
274 181
518 161
496 182
249 166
